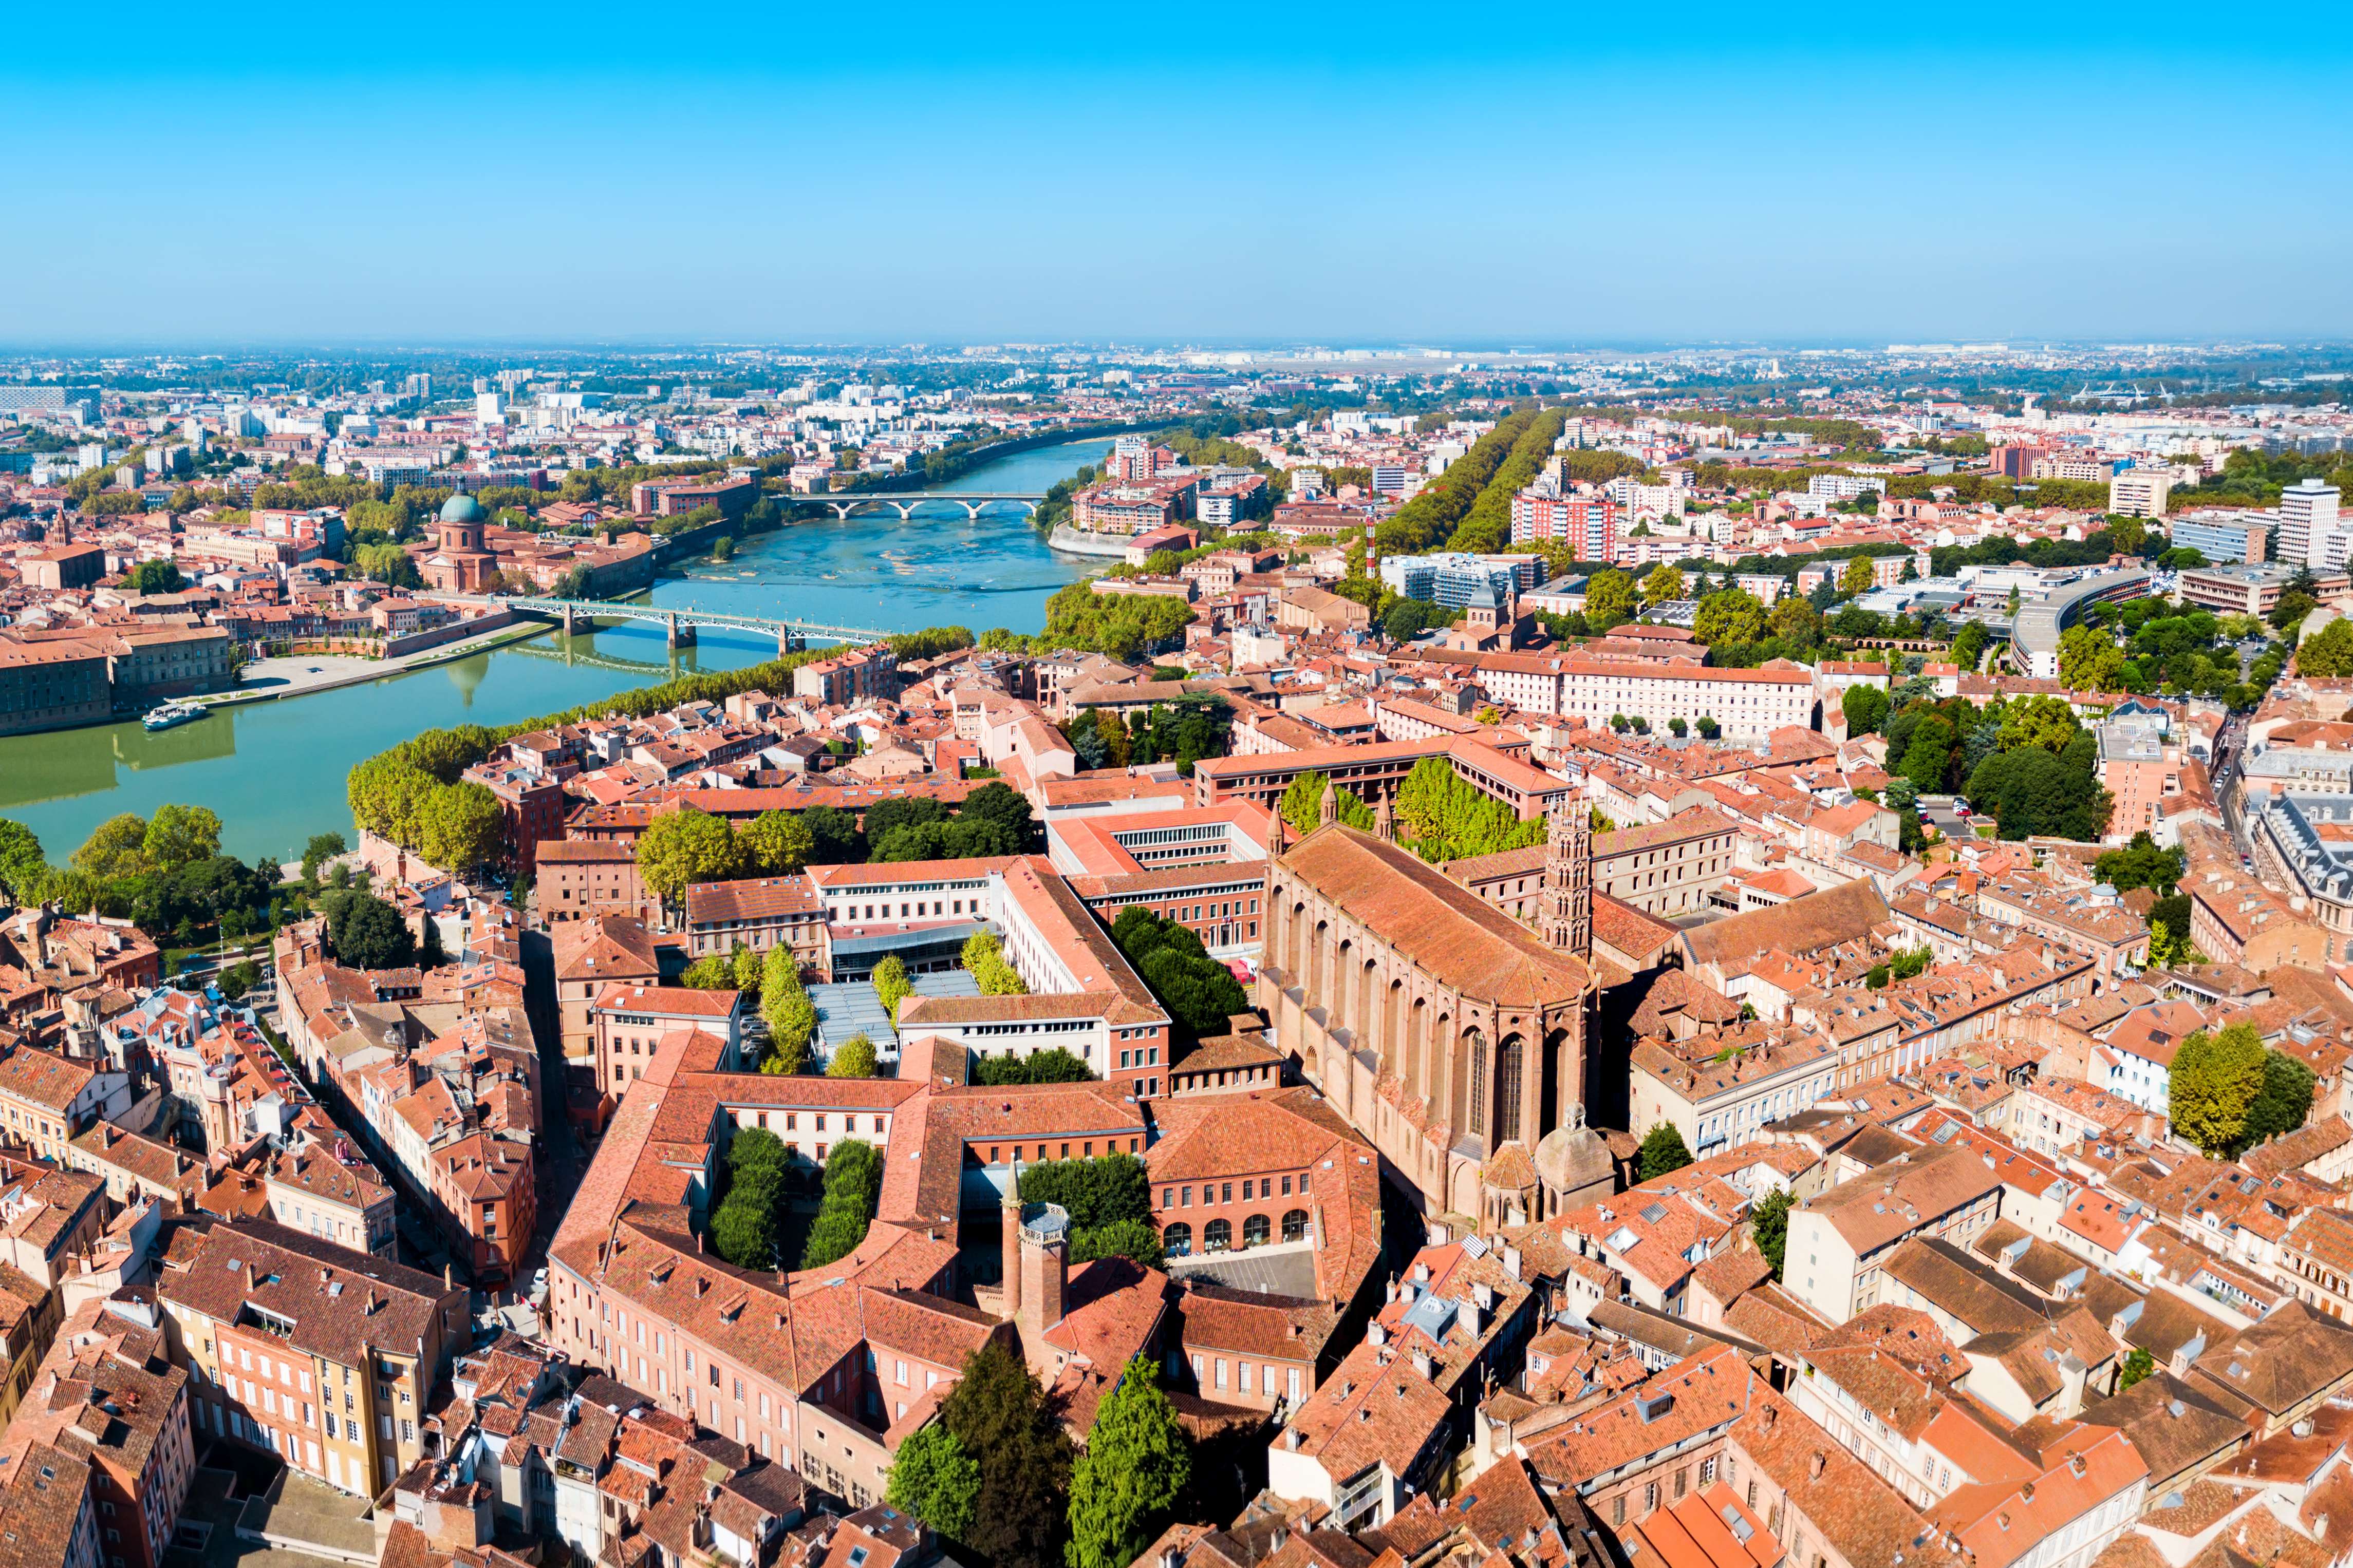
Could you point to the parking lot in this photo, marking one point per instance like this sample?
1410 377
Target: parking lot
1943 813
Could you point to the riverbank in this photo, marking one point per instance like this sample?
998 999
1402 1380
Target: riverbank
300 675
1071 541
275 771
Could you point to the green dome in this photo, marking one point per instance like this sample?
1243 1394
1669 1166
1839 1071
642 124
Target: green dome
463 508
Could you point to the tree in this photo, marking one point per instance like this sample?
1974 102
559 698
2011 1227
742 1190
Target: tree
983 957
790 1015
460 826
715 972
1664 585
1929 754
854 1058
1769 1223
2032 792
2141 864
777 843
744 1229
1969 645
891 986
1858 577
2327 652
1609 599
2089 659
155 577
1004 808
321 848
2295 604
1663 1151
115 847
1303 802
686 846
368 933
1728 615
2044 721
1708 727
1865 707
2214 1080
387 564
1408 618
2138 1365
1796 622
2282 1104
22 865
1000 1416
935 1480
1127 1480
853 1185
239 978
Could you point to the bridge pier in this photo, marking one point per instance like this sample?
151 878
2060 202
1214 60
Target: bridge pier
840 510
567 621
906 509
788 641
681 633
972 511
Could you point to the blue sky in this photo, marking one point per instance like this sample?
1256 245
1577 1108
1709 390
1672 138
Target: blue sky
436 172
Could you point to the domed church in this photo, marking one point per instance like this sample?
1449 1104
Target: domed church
460 562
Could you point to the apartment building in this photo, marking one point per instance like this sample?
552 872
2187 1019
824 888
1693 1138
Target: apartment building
760 913
2252 590
2101 929
2308 525
107 1391
1746 704
323 1355
1840 1241
578 877
46 1101
2139 493
2240 537
628 1022
1727 1096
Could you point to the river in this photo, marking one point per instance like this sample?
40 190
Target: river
274 771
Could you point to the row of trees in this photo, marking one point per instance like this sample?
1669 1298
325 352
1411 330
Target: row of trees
1444 817
853 1188
1201 994
1121 626
746 1224
1109 1201
1302 805
983 958
456 825
1053 1065
1487 526
993 820
786 1007
1439 509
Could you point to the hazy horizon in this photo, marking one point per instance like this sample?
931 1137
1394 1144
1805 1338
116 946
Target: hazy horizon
514 175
